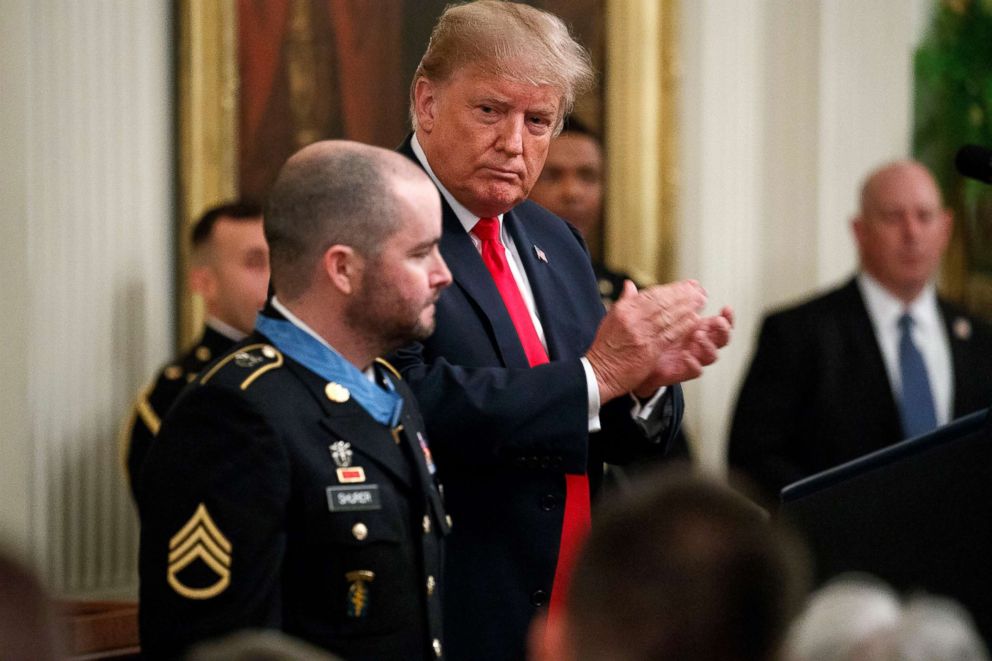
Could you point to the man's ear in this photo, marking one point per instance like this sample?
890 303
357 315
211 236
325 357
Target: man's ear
343 267
203 282
425 100
858 228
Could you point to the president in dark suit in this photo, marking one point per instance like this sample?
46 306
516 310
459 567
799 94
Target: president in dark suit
291 486
880 359
525 387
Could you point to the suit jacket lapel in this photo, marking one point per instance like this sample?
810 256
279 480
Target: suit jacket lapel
540 276
961 365
471 275
877 387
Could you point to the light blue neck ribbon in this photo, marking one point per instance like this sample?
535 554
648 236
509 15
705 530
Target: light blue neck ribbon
384 404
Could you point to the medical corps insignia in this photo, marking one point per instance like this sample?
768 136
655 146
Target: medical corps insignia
358 591
199 539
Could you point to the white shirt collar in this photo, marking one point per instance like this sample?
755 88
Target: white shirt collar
227 330
886 309
465 217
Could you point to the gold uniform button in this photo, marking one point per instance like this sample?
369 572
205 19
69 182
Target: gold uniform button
203 353
337 393
268 352
437 648
173 372
360 531
431 584
427 524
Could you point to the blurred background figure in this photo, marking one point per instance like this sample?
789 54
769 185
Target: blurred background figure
858 618
571 187
680 567
27 623
230 272
878 360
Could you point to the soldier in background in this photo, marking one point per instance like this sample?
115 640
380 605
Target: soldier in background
230 271
571 187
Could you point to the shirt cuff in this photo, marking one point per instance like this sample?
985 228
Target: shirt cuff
643 410
592 392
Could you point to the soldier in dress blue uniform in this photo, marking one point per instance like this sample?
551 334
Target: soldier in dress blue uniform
230 271
292 487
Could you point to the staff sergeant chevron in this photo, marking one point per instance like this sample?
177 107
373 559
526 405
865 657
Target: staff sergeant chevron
199 539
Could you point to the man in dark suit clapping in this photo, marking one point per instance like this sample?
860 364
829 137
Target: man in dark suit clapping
525 387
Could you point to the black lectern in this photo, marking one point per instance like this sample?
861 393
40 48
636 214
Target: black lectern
917 514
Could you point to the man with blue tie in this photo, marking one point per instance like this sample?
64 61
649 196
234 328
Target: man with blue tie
881 359
525 387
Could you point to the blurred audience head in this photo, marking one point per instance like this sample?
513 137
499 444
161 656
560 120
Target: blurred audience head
678 567
571 183
27 624
258 645
858 618
230 263
902 228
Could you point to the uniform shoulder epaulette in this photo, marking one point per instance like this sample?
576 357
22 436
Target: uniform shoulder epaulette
385 363
254 360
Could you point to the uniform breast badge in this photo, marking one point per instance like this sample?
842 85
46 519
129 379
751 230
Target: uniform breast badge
358 591
341 454
246 359
200 539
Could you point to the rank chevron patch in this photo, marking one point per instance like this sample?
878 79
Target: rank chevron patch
200 539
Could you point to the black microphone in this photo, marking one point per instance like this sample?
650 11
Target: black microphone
975 162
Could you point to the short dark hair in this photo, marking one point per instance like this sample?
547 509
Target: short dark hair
683 567
573 124
339 195
237 210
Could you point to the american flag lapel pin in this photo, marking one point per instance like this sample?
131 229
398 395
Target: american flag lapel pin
540 254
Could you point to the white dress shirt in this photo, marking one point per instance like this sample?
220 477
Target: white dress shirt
929 335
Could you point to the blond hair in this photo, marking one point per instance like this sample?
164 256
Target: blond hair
509 40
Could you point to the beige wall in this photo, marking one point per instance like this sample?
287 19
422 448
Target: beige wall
87 277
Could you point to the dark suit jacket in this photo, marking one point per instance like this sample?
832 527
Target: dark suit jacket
250 441
817 393
504 435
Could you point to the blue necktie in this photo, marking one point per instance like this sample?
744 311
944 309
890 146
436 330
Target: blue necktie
918 416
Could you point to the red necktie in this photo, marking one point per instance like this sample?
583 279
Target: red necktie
575 523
